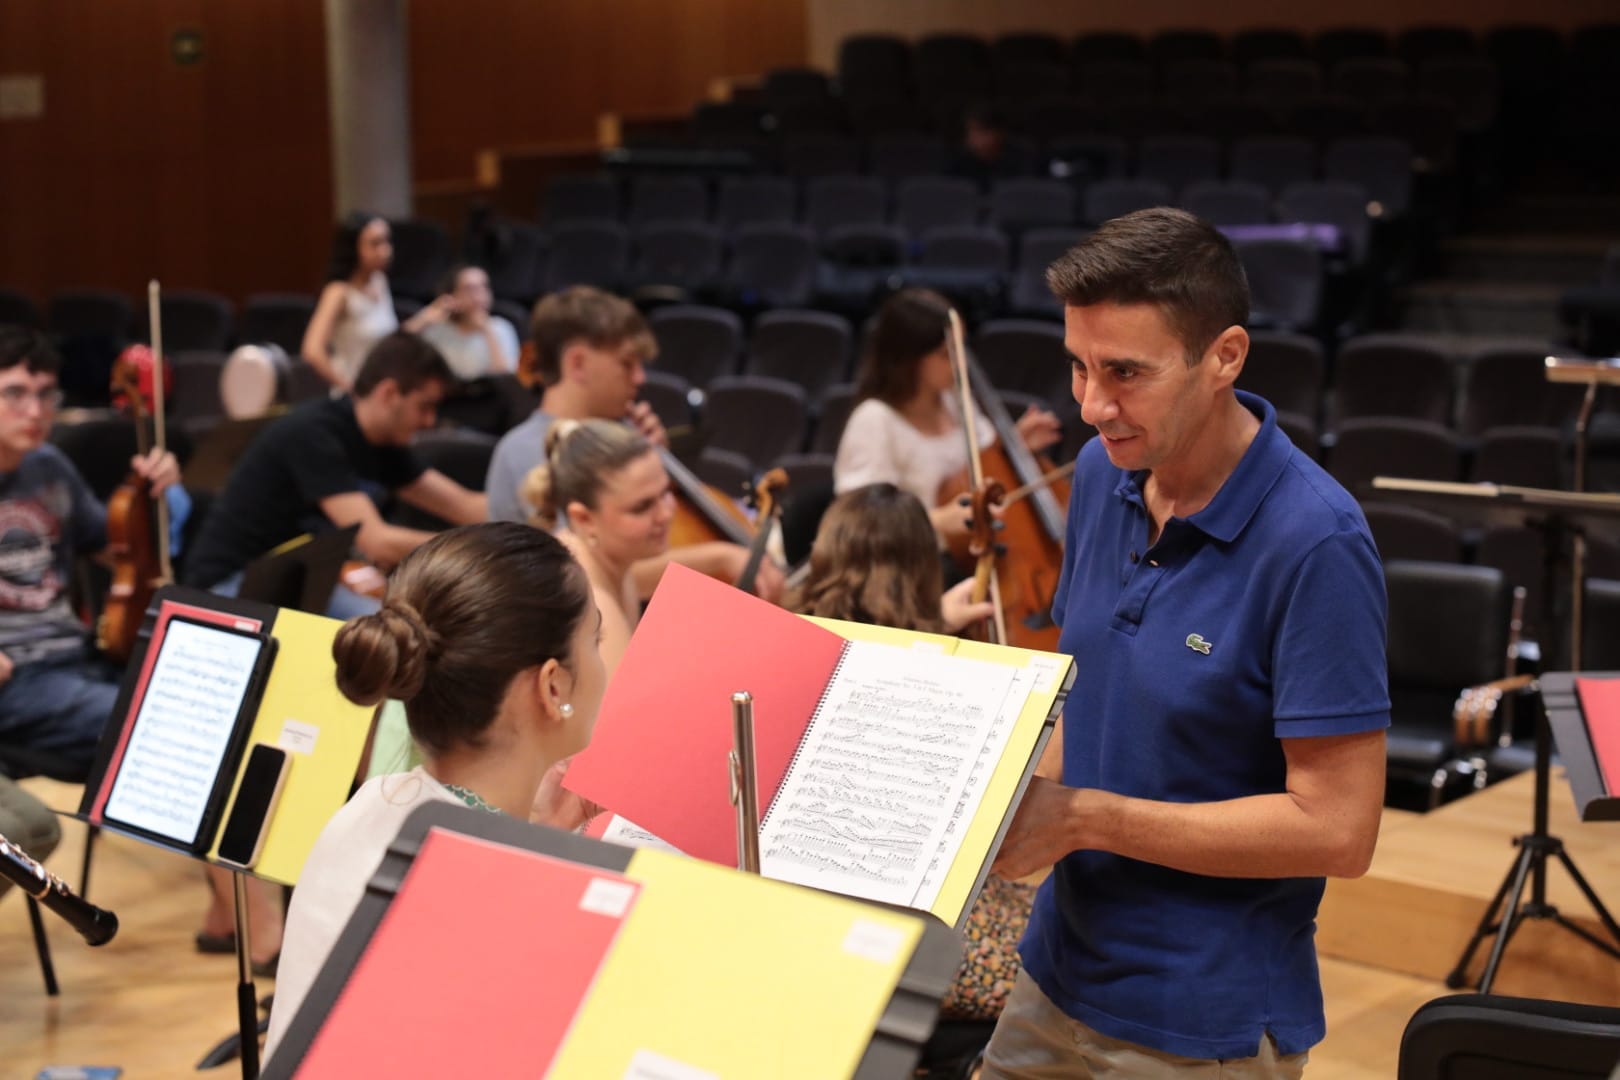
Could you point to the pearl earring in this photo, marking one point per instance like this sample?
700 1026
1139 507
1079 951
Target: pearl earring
567 711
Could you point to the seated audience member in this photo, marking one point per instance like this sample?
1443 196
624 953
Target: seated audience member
56 694
326 463
356 309
906 428
474 342
488 634
590 348
988 153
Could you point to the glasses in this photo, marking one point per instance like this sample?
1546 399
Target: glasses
17 397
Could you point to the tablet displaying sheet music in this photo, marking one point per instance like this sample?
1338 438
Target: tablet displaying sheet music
187 736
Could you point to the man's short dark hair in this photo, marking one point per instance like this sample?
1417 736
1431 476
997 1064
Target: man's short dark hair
20 345
1169 258
406 359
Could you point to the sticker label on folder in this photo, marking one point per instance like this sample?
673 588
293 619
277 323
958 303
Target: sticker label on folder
298 737
646 1065
604 897
874 941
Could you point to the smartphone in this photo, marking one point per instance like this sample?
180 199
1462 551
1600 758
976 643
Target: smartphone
255 805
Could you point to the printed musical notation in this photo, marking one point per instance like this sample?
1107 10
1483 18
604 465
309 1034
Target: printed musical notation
182 730
896 759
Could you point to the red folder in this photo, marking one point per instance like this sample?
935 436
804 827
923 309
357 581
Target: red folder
1600 706
483 940
658 755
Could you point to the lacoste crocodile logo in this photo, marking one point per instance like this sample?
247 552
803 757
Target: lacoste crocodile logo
1196 643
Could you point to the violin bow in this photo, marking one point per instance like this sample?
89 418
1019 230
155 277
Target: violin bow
984 550
159 439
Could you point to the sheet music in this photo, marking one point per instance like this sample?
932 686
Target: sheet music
887 775
629 834
183 729
1024 682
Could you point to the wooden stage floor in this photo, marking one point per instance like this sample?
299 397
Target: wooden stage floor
149 1003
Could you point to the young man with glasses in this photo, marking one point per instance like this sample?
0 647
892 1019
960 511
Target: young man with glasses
55 693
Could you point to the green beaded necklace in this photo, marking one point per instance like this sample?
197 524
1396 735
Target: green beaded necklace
471 798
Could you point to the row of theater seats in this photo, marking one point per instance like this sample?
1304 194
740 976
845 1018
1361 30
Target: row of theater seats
885 66
1168 165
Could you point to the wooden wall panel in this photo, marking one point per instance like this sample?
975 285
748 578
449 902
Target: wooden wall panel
213 175
511 73
218 175
832 20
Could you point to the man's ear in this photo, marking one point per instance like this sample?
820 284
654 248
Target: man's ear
574 356
386 391
1229 350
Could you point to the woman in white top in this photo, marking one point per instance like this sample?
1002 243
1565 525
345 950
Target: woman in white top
356 310
604 491
489 635
907 428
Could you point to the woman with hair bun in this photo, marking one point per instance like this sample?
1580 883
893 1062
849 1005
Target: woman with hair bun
488 634
603 490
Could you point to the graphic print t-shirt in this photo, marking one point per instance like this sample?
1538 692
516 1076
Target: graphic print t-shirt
47 516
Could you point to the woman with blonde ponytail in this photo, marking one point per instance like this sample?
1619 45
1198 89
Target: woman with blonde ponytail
604 492
488 634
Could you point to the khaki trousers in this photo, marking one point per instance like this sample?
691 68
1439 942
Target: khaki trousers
1035 1040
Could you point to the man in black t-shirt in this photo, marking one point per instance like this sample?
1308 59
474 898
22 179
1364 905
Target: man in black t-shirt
327 463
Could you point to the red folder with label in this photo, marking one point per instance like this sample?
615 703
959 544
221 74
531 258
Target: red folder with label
456 965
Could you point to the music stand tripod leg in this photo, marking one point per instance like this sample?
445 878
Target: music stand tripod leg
42 945
1513 881
247 1005
1597 906
1511 916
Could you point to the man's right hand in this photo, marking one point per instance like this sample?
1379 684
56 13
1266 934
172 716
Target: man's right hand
643 419
6 668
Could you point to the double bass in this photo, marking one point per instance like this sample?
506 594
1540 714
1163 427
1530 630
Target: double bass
137 522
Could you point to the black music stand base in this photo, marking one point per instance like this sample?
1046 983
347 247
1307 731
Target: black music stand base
1530 868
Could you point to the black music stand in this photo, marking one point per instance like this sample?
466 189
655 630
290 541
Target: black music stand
1560 513
301 573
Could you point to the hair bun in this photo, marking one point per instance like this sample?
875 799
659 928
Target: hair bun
384 655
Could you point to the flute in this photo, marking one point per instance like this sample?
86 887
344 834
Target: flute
96 925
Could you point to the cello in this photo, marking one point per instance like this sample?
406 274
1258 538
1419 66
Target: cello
137 522
701 514
1027 541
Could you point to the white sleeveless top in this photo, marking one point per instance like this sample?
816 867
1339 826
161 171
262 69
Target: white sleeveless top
361 324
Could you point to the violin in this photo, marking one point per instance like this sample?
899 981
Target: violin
768 507
1026 543
137 522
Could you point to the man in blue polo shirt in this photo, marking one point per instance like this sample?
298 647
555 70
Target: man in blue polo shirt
1224 743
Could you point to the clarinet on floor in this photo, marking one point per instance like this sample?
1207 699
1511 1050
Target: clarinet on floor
95 925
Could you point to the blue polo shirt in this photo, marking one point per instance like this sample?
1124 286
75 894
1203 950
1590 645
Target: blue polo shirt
1259 618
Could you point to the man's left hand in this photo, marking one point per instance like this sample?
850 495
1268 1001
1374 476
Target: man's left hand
159 468
1042 830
